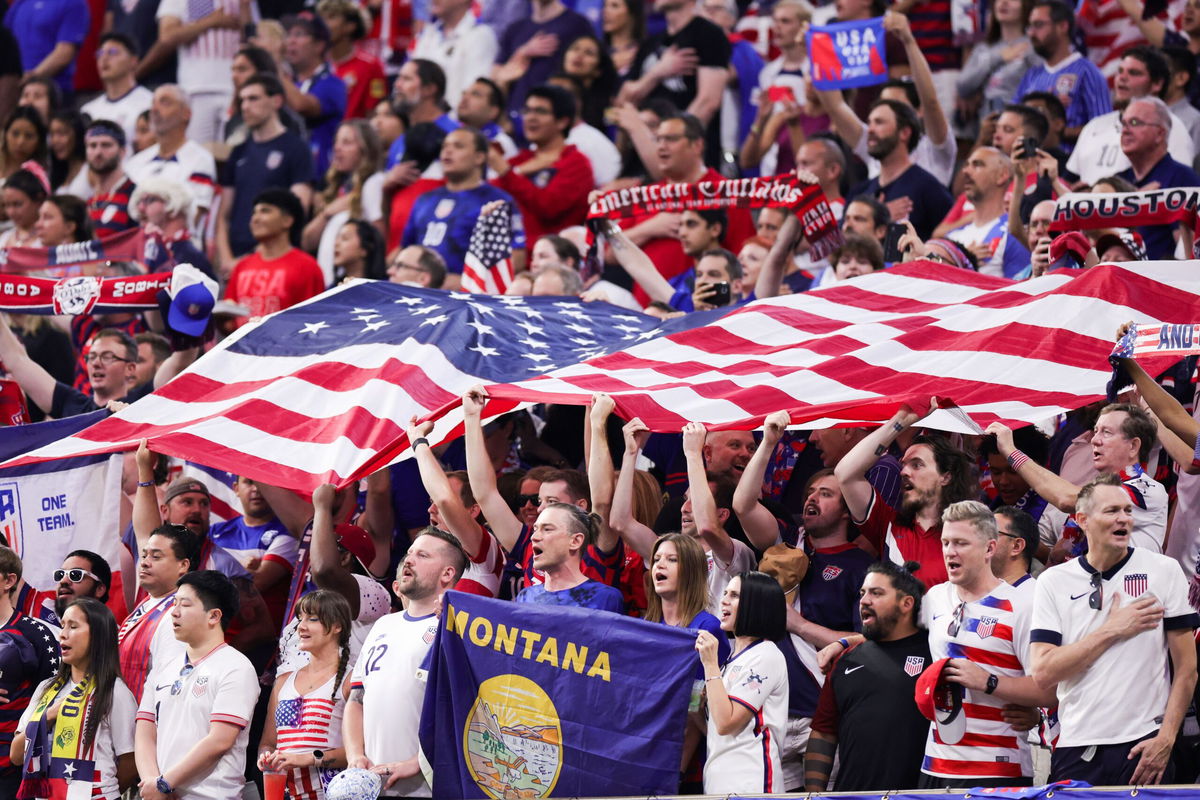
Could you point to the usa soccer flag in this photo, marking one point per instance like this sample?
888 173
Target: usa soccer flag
846 55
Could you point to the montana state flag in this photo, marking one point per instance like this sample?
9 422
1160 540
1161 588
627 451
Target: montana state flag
534 701
846 55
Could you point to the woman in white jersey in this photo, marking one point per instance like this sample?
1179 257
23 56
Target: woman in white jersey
748 698
80 722
303 732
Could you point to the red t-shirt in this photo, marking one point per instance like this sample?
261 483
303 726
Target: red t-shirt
667 254
552 198
402 206
914 543
268 286
365 84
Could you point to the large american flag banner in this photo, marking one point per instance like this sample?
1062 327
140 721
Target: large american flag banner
321 391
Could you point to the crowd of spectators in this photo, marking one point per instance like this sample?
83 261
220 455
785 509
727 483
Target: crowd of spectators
1022 577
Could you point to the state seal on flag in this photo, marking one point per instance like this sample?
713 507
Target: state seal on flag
513 739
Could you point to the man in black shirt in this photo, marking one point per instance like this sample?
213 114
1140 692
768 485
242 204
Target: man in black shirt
866 712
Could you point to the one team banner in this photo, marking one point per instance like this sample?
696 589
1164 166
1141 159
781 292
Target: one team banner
49 509
846 55
1077 211
534 701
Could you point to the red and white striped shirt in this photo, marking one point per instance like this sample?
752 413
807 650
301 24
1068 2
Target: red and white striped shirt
307 723
992 632
483 568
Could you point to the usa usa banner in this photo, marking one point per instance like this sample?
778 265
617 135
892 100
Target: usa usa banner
532 701
846 55
49 509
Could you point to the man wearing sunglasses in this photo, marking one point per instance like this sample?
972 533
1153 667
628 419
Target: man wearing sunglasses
1106 622
83 574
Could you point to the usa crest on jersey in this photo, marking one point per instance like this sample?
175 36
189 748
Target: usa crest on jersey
914 666
985 627
831 572
1136 584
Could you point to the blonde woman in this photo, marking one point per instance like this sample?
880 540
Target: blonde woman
353 189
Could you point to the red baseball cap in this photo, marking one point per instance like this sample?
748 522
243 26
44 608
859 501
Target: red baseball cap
357 541
942 703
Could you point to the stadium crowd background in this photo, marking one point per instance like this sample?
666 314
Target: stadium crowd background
282 149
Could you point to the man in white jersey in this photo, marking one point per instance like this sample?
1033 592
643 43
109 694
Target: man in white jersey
194 719
123 97
981 623
453 509
1121 441
383 715
1103 626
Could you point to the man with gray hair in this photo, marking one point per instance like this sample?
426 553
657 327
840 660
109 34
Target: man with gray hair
1105 622
555 280
1145 128
175 156
986 178
981 624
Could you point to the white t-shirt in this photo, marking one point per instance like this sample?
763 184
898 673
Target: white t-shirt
389 673
373 602
599 150
193 166
1135 668
1098 153
464 52
372 211
204 63
720 574
114 734
221 687
993 632
750 760
124 110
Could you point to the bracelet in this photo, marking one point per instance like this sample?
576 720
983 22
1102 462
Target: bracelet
420 440
714 678
1016 459
844 643
145 483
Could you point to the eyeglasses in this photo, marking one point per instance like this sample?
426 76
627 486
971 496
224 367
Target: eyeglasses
147 199
398 264
670 138
956 620
177 686
1136 123
1009 535
1096 598
545 112
75 575
107 357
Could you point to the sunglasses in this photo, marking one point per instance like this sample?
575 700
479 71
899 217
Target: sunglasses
522 499
1096 598
75 575
956 620
177 686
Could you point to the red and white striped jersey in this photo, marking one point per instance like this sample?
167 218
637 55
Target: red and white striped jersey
992 632
484 568
204 63
311 722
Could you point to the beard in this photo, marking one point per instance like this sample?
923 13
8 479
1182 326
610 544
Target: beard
882 626
912 503
884 146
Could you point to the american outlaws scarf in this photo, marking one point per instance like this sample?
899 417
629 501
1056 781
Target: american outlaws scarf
804 198
1155 346
83 294
57 765
1075 212
83 258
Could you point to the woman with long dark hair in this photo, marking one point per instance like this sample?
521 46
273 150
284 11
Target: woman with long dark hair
63 218
67 154
303 733
624 23
588 62
748 695
358 252
80 722
21 199
24 140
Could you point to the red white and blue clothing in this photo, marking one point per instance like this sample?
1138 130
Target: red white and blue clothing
992 632
28 656
307 723
750 760
901 543
1076 82
1008 257
484 568
143 641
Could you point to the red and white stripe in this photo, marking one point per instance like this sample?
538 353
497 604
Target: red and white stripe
848 354
1108 31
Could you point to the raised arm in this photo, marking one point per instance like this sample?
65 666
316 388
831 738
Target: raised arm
503 522
639 537
35 381
456 517
146 514
1058 491
639 266
325 561
775 266
760 525
379 518
852 470
932 114
704 506
1153 29
600 469
1168 410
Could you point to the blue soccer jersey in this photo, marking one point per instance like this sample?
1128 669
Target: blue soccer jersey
443 220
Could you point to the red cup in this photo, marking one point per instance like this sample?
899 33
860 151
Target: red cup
273 785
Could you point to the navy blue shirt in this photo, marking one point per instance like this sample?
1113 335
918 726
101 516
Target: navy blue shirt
330 90
1167 173
567 26
253 166
443 220
931 200
589 594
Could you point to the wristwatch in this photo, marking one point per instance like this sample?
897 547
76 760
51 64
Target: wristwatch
318 759
162 785
992 682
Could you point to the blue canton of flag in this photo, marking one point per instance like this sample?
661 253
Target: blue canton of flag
199 9
287 712
1120 377
1136 585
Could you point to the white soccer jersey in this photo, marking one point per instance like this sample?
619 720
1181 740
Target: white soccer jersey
183 703
992 632
1063 615
389 672
1098 153
193 166
124 110
749 761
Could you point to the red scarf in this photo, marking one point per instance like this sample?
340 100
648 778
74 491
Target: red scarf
1075 212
